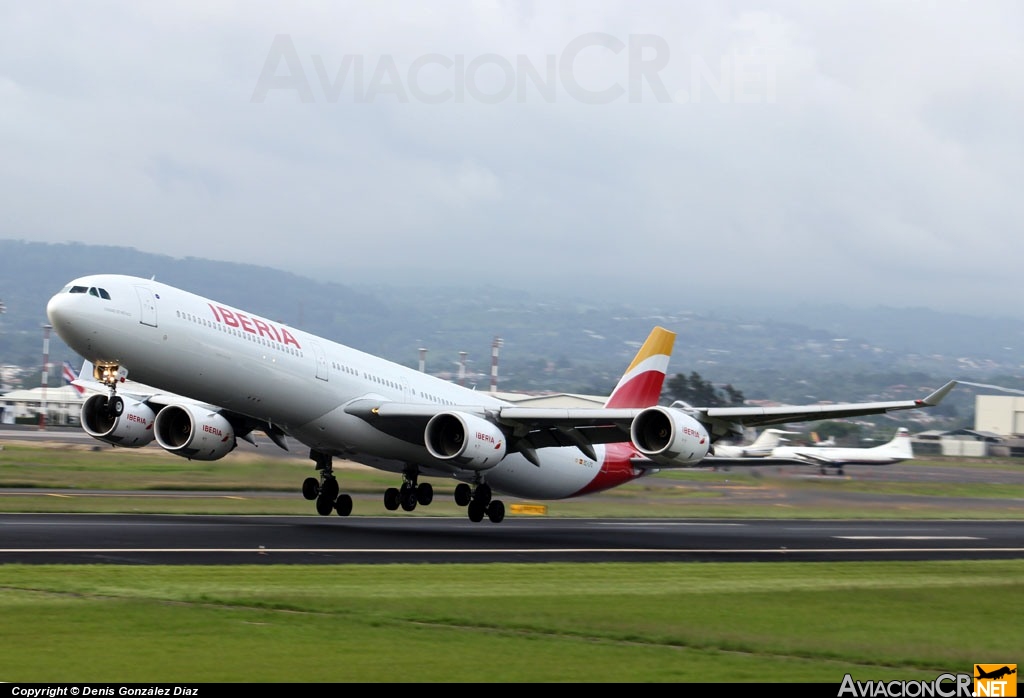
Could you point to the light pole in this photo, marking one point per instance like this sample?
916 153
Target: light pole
495 346
46 372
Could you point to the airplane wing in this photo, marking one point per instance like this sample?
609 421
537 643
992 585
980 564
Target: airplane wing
720 462
784 414
548 427
808 458
531 428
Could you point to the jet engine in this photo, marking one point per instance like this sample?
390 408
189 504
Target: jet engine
465 439
117 421
669 437
193 432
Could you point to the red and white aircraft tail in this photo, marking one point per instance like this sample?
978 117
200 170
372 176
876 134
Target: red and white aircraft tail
640 385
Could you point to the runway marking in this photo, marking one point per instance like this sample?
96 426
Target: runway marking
125 495
910 537
667 523
463 551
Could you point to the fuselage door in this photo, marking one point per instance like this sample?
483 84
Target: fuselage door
147 306
321 361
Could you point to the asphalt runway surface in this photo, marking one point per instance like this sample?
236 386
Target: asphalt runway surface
178 539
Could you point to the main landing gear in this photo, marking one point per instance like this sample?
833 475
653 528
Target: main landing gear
326 490
413 493
479 503
409 494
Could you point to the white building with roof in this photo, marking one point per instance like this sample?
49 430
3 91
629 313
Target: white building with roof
63 405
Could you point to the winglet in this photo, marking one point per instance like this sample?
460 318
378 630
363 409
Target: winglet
936 397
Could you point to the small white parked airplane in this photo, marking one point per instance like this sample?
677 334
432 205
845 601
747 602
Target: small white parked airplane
763 445
219 373
899 448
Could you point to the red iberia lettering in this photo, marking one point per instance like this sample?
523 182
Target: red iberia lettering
261 328
229 317
286 338
484 437
211 430
253 325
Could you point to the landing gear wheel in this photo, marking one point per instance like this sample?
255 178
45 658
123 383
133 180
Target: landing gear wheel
329 489
408 497
476 511
482 494
392 497
496 511
463 494
310 488
424 493
324 506
116 406
343 505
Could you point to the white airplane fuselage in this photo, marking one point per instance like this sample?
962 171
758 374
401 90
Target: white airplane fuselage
895 451
188 345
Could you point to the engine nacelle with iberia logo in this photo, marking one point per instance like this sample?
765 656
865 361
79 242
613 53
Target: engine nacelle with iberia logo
118 421
669 437
194 432
465 440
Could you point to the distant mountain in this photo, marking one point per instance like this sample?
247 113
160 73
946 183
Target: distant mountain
566 344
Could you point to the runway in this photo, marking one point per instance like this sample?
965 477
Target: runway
207 540
231 539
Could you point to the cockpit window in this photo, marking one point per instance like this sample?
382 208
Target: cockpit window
78 289
93 292
104 294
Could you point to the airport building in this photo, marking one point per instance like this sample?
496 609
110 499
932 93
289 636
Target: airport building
62 404
999 414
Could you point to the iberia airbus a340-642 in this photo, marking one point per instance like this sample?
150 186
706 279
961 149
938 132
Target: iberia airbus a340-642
213 373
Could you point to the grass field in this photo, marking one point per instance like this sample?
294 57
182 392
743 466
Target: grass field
771 622
664 622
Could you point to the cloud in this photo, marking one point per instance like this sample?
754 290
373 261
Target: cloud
842 151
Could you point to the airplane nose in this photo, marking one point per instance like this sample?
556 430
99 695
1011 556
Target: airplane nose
63 311
56 309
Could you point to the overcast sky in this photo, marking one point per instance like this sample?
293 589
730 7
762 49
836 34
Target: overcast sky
870 152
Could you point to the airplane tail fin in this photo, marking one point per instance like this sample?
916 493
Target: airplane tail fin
69 375
901 444
769 439
640 385
818 441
